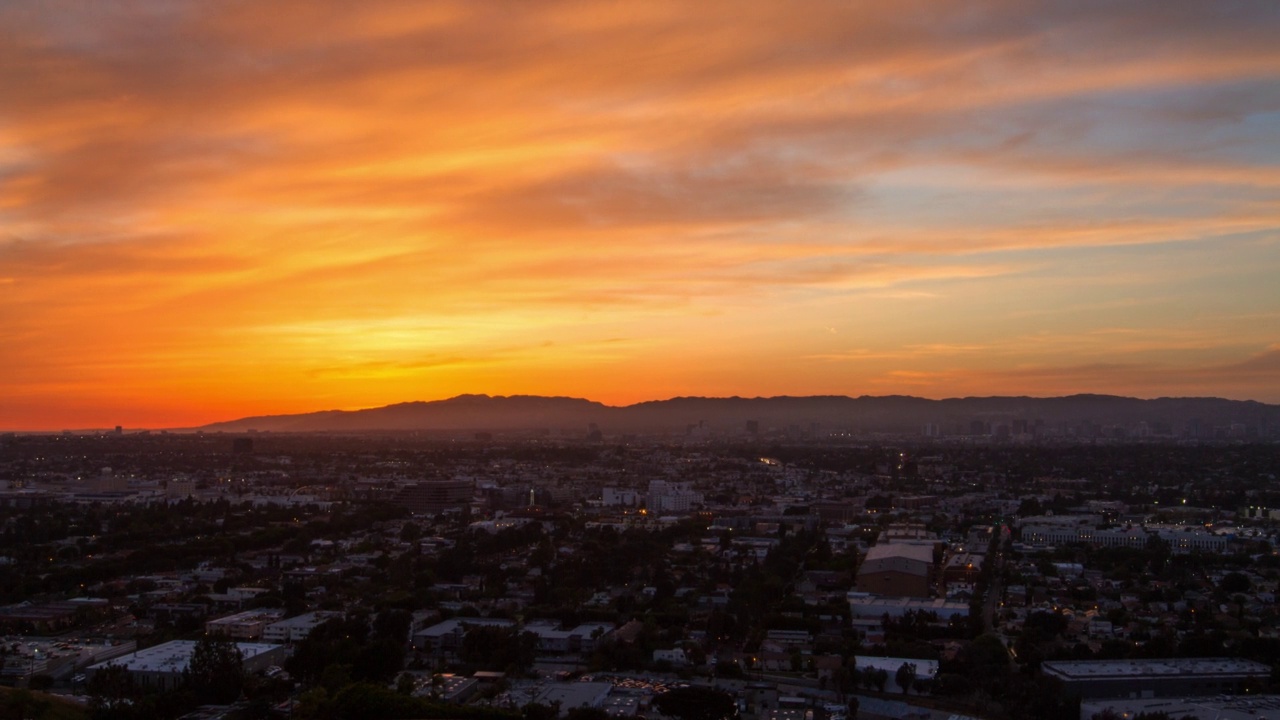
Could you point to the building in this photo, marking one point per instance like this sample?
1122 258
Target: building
1166 677
432 497
1189 539
570 695
180 488
674 656
841 511
671 497
1055 535
163 666
962 568
615 496
448 687
296 628
552 640
236 597
49 617
446 637
1181 540
925 669
875 607
897 569
1239 707
247 625
109 482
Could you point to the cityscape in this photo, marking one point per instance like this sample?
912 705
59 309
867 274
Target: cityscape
662 360
791 573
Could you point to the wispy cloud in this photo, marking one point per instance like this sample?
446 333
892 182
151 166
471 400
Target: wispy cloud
195 195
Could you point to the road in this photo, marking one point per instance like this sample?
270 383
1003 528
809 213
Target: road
995 589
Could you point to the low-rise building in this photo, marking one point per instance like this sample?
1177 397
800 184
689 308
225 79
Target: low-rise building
291 630
1169 677
247 625
446 637
872 606
897 569
163 666
554 640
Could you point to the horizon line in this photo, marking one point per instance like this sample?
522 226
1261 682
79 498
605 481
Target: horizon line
192 428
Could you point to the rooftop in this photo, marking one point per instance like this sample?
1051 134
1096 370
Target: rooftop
921 553
1165 667
174 656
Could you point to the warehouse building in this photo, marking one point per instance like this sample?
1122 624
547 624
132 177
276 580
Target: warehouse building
1159 678
163 666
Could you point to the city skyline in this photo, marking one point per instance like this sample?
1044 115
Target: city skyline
217 210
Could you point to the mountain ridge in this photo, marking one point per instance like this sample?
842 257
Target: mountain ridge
892 413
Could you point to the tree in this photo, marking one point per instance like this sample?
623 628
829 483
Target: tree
498 648
905 677
1234 582
111 682
411 532
216 670
365 701
393 625
311 704
538 711
867 676
111 692
879 676
586 713
846 676
22 703
697 703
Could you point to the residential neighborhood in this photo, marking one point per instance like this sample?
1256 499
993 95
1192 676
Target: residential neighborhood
800 577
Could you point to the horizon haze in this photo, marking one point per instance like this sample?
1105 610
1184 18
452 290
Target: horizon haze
215 210
1047 417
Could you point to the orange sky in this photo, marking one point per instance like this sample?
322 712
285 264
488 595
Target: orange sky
217 209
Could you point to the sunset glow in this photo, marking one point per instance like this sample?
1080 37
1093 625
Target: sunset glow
217 209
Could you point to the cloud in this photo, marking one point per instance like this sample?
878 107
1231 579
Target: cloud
1241 379
177 178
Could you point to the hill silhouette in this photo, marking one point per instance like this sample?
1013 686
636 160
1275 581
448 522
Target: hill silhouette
895 413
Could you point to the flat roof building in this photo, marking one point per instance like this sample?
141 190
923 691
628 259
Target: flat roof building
897 569
1243 707
575 695
1158 678
431 497
446 636
552 639
163 666
870 605
247 625
296 628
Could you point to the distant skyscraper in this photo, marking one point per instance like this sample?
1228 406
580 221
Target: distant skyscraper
431 497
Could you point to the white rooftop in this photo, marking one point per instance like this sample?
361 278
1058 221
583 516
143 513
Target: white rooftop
174 656
1164 667
921 553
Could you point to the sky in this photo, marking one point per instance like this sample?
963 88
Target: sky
211 209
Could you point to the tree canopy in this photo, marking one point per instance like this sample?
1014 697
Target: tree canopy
216 670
